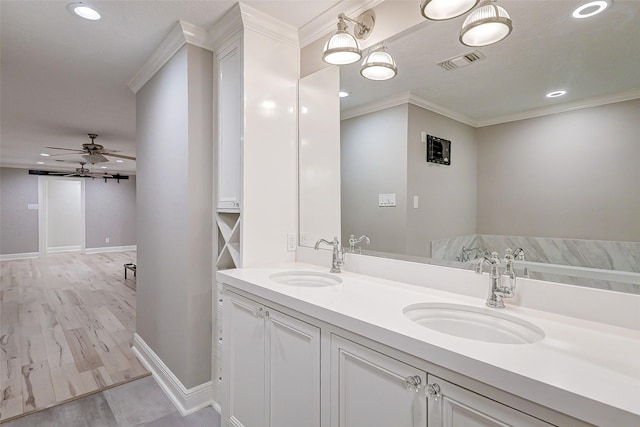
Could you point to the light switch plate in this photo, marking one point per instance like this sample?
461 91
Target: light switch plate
386 200
33 206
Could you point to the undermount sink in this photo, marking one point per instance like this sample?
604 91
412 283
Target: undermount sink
309 279
480 324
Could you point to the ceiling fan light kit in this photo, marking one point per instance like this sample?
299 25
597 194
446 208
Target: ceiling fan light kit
93 153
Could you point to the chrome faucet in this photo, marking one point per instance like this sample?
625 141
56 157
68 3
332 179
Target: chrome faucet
338 255
517 254
497 292
353 242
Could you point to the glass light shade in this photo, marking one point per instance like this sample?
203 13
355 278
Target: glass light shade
439 10
379 65
486 25
341 49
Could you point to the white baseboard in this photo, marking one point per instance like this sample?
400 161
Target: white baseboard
110 249
10 257
75 248
187 401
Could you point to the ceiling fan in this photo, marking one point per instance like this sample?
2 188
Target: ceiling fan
92 152
82 172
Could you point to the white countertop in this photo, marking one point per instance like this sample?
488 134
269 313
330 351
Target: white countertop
582 368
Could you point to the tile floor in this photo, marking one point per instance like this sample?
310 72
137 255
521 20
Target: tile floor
138 403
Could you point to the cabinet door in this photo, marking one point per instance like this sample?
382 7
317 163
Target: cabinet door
244 363
229 63
293 369
370 389
459 407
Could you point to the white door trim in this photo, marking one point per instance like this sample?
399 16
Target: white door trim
42 212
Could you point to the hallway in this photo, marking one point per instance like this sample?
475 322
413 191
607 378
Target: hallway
66 326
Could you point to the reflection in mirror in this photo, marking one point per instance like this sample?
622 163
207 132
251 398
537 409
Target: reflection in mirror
556 176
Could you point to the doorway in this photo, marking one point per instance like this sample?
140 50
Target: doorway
61 220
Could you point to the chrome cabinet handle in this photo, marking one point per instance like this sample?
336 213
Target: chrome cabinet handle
433 392
413 383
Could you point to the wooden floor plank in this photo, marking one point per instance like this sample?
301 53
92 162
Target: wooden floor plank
66 326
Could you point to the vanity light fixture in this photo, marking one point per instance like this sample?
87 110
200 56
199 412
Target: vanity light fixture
440 10
379 65
342 48
487 24
590 9
84 10
343 94
556 93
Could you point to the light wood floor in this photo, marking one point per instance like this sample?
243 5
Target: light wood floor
66 327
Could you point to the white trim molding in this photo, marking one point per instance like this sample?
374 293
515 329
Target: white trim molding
111 249
412 98
56 249
268 26
186 400
181 34
563 108
26 255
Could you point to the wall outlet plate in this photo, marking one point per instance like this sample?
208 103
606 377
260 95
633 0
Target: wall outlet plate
291 242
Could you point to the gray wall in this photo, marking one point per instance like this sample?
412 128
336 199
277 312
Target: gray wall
109 212
572 175
382 152
373 160
446 194
18 225
174 211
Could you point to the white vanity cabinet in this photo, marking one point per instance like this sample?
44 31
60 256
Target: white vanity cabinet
454 406
272 367
370 389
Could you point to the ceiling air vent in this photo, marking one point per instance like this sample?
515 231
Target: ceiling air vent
462 60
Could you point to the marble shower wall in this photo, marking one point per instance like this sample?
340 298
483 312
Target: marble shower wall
608 255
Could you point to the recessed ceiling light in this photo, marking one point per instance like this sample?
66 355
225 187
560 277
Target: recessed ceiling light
45 154
40 163
587 10
342 94
85 11
119 161
556 93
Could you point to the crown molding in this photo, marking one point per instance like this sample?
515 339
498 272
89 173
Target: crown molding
266 25
181 34
563 108
407 98
439 109
326 22
412 98
225 28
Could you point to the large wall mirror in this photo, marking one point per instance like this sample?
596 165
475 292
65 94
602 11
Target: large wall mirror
558 177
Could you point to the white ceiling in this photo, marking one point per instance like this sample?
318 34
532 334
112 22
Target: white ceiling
64 77
548 50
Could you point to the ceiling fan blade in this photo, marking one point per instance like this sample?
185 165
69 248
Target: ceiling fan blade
68 149
99 175
71 174
65 154
120 156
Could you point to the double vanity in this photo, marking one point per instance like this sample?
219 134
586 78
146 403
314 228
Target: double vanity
305 347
